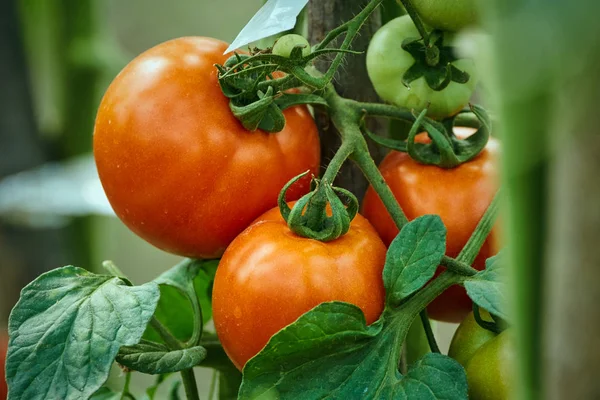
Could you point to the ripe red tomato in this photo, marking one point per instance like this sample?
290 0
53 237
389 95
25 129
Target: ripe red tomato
269 276
459 196
177 167
3 350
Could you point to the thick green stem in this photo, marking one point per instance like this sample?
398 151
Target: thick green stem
336 162
189 384
458 267
426 295
385 110
368 166
410 10
482 231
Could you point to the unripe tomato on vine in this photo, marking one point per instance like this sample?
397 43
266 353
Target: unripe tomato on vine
447 15
269 276
460 196
388 62
177 167
488 358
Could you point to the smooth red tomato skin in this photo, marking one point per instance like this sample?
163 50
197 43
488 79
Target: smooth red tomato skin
177 167
269 276
459 195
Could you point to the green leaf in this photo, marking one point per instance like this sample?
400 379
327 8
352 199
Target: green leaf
105 393
154 358
413 257
175 287
330 353
488 287
67 328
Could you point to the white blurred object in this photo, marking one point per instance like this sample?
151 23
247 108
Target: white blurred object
274 17
48 196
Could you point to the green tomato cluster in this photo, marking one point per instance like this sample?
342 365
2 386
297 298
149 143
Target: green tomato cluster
488 359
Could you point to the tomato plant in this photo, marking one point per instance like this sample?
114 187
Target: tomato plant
175 163
269 276
447 15
459 196
388 62
194 148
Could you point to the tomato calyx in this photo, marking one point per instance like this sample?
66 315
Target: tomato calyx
320 214
445 150
433 62
258 85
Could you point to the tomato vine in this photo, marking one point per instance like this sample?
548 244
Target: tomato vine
256 89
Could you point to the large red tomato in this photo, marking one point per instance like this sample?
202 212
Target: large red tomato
269 276
177 167
459 196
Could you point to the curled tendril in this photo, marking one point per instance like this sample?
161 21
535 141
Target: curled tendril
312 218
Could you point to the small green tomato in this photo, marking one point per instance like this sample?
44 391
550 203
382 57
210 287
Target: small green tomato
285 44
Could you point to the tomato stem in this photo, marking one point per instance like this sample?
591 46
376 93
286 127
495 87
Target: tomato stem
412 12
429 332
481 232
189 384
458 267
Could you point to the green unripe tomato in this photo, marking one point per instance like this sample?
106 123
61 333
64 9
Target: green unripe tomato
285 44
447 15
469 337
489 372
387 62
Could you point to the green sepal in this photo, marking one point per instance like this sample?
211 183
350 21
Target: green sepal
437 73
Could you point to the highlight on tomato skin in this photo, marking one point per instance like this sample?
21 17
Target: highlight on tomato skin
269 276
459 195
177 167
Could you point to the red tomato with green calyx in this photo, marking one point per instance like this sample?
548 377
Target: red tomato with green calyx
269 277
177 167
460 196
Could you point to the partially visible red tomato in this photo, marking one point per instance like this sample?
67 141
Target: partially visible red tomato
460 196
178 168
3 350
269 276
